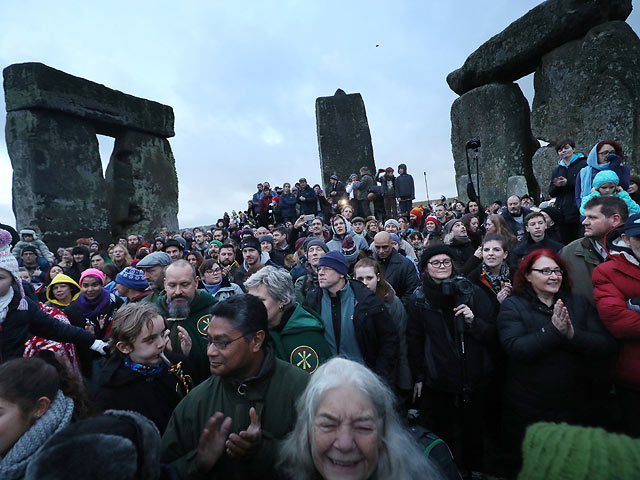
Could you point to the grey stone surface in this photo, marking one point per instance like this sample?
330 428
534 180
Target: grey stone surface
543 162
516 51
516 185
57 176
344 140
589 89
35 85
142 185
461 183
499 115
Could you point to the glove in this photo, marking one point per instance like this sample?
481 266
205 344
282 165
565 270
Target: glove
99 346
634 304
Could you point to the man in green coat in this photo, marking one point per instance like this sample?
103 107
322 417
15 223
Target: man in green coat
187 307
230 425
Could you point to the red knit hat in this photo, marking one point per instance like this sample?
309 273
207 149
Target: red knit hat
432 218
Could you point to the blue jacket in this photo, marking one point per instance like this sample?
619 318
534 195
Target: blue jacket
287 203
404 185
588 173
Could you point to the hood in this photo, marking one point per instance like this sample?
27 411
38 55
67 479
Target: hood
619 248
403 165
592 160
28 231
347 224
62 278
301 318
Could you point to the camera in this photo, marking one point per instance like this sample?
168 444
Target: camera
459 287
473 144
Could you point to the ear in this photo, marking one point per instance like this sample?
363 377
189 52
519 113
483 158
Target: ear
258 341
124 347
42 405
528 277
625 239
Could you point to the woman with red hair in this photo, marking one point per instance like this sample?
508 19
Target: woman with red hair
557 351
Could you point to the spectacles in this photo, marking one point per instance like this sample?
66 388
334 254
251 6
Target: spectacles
222 344
440 263
548 271
217 270
606 153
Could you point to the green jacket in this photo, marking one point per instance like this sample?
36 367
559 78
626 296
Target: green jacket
273 393
582 260
301 341
196 325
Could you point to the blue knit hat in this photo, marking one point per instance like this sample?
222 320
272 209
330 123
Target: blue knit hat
605 176
335 260
132 278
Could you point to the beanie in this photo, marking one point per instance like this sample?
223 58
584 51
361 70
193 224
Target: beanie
433 251
217 242
334 260
92 272
300 243
605 176
395 238
132 278
432 218
29 248
564 451
315 242
250 242
267 238
449 225
392 221
418 213
349 249
9 263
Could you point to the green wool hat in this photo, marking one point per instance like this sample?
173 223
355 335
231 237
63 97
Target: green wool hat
561 451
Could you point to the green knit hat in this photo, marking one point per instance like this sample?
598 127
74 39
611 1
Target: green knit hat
561 451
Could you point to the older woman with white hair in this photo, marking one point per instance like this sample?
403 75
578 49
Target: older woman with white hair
348 428
298 333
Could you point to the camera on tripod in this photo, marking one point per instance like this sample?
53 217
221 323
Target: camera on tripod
473 144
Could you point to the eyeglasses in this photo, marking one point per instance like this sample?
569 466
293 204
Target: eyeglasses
440 263
223 344
604 154
548 271
217 270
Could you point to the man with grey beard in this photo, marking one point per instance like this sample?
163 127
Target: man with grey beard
154 266
184 305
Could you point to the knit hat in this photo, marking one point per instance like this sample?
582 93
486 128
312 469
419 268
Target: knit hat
564 451
335 260
315 242
605 176
392 221
555 214
300 243
432 218
9 263
433 251
172 242
334 177
418 213
155 259
449 225
250 242
132 278
246 231
395 238
267 238
92 272
349 249
632 225
217 242
29 248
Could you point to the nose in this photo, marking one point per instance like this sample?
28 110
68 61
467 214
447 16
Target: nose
344 440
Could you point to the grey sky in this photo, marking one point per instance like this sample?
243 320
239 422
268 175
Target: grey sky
242 78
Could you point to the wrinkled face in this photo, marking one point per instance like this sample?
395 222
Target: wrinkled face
251 255
97 262
174 252
491 228
513 205
368 276
440 211
493 254
603 151
328 277
150 343
596 225
314 254
383 248
430 225
180 285
391 228
459 230
345 440
316 226
62 292
339 226
233 359
357 227
565 152
213 275
540 283
6 280
55 270
13 424
607 188
91 288
439 267
271 304
29 259
155 276
266 246
347 212
226 256
536 227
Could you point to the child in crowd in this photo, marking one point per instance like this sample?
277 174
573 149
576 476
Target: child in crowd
606 183
29 238
139 376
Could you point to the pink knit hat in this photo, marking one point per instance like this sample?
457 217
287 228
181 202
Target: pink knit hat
92 272
9 263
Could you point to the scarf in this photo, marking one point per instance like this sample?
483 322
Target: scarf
4 304
153 371
586 174
15 462
212 289
496 280
93 307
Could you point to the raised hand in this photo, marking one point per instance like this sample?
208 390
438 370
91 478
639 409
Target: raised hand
246 443
212 440
185 341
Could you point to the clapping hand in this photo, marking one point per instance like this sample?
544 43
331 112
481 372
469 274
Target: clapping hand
212 440
246 443
560 319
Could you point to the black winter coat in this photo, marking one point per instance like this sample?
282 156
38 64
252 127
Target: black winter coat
308 206
376 333
548 376
434 348
20 325
400 272
404 186
527 246
565 196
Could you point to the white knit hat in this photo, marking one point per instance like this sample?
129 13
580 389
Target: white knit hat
9 263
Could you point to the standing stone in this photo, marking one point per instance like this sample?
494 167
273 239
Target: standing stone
516 51
499 115
56 162
142 185
589 90
344 140
543 162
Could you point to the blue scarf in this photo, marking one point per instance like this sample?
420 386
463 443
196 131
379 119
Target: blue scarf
586 174
154 371
212 289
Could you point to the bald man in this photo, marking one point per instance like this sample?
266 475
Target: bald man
399 271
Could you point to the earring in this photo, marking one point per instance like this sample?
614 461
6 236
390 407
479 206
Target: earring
281 307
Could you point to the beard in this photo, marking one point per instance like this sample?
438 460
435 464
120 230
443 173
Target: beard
179 308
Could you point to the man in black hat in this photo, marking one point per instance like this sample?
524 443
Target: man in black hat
174 248
35 265
251 252
338 190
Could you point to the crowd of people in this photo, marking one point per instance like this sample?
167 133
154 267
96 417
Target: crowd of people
335 335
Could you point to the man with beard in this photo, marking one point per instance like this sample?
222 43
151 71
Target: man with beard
227 260
133 244
514 216
185 306
154 266
251 250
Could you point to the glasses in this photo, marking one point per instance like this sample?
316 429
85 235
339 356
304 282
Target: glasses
604 154
217 270
548 271
222 344
440 263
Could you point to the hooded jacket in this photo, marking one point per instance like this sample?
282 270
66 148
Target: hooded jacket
41 248
585 178
62 278
404 185
335 244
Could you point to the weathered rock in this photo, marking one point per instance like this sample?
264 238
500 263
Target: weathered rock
516 51
142 185
35 85
344 140
517 185
588 90
57 176
499 115
543 162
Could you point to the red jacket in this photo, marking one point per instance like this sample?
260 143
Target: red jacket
614 282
